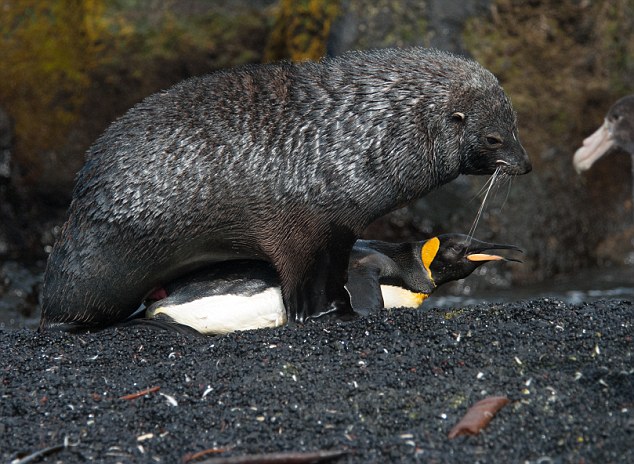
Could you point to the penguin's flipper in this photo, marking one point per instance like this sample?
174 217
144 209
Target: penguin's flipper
364 286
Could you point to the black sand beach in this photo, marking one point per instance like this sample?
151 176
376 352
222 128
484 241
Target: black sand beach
384 389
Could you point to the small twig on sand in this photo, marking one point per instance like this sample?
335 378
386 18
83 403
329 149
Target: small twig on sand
194 456
44 452
478 416
314 457
133 396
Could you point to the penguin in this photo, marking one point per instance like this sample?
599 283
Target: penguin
244 295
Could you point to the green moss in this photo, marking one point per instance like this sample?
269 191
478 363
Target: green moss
228 37
48 51
61 55
301 29
457 401
453 314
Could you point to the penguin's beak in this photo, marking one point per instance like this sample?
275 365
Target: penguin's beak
479 254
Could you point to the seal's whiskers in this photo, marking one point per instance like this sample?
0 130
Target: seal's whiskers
491 182
505 178
485 187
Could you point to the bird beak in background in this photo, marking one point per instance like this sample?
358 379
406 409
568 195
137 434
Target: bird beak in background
593 148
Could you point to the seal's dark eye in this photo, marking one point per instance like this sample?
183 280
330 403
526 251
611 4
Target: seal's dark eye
493 140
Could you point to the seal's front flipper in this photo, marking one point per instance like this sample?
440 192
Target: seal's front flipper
310 300
320 291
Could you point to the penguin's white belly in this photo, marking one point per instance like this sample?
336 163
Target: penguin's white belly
397 297
220 314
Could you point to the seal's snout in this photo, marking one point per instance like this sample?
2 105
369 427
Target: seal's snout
518 163
524 166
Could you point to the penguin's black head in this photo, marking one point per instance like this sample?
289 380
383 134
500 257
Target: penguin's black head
450 257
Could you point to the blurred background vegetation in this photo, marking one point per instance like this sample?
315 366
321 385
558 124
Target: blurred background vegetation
69 67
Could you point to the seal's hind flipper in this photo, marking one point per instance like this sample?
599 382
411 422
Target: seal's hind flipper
162 322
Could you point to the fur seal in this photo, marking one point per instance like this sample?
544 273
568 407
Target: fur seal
286 163
243 295
616 132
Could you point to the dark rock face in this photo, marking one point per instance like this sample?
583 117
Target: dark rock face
446 21
7 216
6 136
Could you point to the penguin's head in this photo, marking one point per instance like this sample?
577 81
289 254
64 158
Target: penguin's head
411 271
451 257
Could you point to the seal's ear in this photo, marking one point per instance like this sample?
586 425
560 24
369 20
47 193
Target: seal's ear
458 116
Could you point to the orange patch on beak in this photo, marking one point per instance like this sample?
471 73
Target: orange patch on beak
484 257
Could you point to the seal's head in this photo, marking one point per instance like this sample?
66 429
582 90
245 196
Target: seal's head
465 118
493 140
483 119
